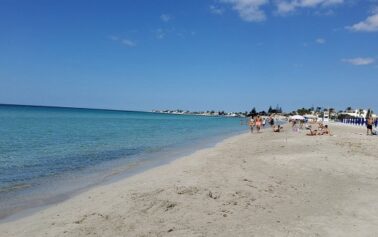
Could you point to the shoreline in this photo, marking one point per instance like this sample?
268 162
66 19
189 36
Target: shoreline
267 184
104 174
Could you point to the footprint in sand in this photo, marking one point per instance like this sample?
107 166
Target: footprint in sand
191 190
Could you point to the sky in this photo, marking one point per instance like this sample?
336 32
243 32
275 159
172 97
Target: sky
191 54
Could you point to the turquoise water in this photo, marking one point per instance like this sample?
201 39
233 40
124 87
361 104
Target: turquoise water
41 143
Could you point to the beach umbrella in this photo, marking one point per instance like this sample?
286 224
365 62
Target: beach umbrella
309 116
297 117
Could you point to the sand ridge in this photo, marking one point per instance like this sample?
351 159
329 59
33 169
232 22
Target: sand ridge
267 184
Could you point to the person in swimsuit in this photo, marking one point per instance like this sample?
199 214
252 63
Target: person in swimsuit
369 126
251 124
277 129
258 123
325 130
271 121
312 133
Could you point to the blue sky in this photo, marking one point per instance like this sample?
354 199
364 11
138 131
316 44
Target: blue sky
197 55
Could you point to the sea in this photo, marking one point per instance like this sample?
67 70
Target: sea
48 154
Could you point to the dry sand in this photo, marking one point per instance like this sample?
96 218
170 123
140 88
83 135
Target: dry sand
267 184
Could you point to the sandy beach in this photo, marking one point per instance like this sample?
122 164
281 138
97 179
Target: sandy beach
267 184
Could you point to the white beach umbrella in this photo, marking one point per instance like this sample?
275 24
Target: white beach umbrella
310 116
297 117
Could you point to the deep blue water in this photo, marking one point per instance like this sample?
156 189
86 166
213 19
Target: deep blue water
39 143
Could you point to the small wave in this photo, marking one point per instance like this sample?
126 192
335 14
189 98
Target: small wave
15 187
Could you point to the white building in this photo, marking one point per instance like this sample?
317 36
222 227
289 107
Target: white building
359 113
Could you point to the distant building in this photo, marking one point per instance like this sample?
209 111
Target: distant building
325 116
358 113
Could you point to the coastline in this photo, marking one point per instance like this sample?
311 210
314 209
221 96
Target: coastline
71 185
267 184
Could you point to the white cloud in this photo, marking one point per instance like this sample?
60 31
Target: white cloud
216 10
249 10
285 6
165 17
320 41
359 61
128 42
370 24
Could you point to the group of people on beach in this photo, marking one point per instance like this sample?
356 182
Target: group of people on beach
321 130
259 122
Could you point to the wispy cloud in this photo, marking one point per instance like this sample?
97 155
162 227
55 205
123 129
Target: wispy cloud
285 6
127 42
359 61
216 10
370 24
249 10
320 41
252 10
165 17
324 12
160 33
113 37
186 33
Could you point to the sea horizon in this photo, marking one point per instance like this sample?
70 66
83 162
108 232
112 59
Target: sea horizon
72 107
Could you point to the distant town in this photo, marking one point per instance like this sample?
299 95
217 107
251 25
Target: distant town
202 113
312 112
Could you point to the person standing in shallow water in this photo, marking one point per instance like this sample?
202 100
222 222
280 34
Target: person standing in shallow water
369 126
251 124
